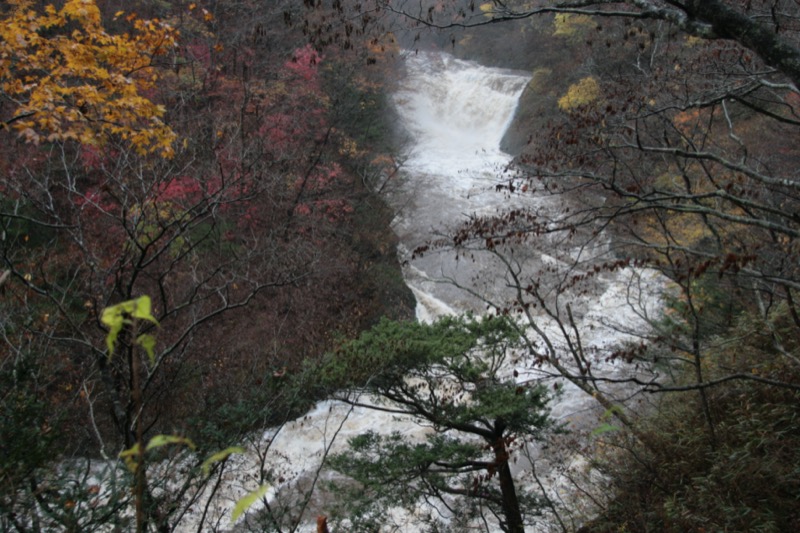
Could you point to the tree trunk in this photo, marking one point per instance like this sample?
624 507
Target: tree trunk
511 511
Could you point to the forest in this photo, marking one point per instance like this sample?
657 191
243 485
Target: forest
199 251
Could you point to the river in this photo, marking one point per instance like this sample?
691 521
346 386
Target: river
455 114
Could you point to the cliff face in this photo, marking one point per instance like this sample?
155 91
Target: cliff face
536 107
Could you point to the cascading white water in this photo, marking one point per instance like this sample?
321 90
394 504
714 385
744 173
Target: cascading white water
455 113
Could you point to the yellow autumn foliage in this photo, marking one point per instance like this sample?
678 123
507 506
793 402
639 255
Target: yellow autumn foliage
681 229
540 80
583 93
572 26
69 79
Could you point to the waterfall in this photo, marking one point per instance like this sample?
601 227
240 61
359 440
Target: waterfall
455 114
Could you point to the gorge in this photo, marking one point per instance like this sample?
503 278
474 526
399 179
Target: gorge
399 266
455 113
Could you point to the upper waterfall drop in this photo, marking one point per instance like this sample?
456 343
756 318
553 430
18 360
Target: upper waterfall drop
456 112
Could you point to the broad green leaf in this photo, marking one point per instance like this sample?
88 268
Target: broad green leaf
115 318
112 317
219 456
148 342
246 502
164 440
141 309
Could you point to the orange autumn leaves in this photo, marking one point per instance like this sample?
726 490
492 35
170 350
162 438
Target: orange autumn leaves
66 78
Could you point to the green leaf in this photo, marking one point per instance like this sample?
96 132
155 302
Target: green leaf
115 318
246 502
164 440
112 317
148 342
604 428
219 456
129 456
141 309
611 411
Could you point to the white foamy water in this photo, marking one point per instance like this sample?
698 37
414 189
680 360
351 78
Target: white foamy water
456 113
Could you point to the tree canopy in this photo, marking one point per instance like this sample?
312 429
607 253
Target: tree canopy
457 378
64 77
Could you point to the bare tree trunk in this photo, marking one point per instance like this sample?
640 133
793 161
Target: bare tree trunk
511 510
